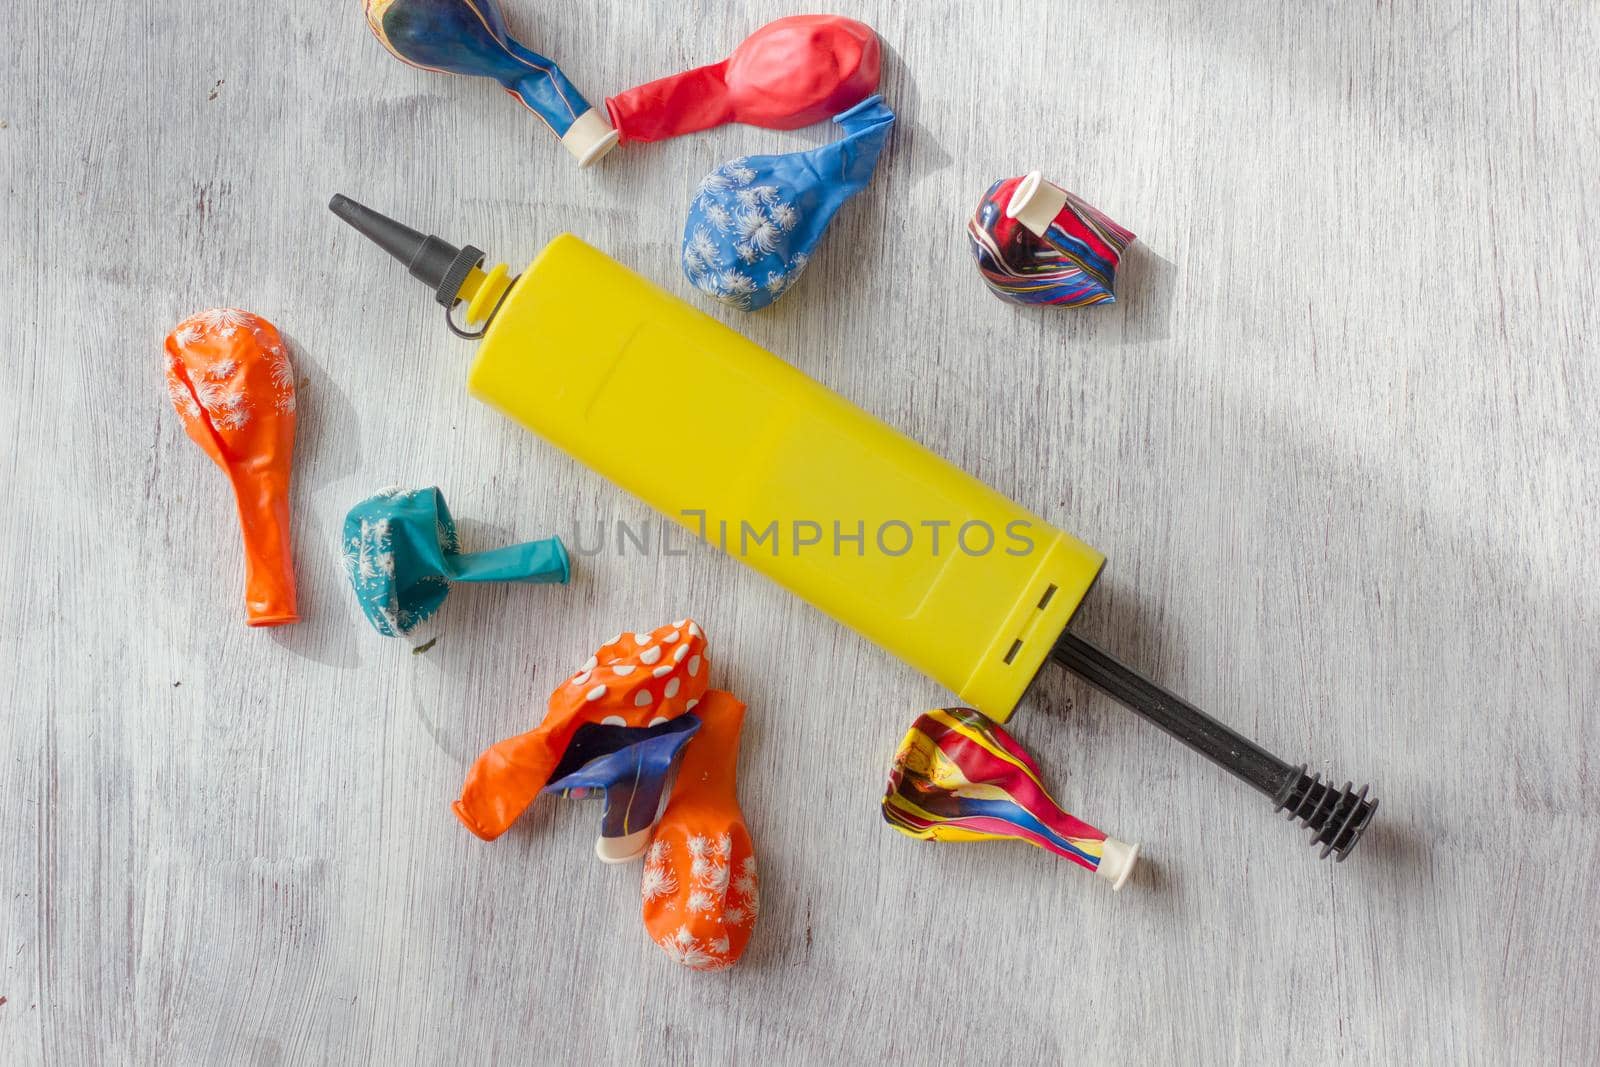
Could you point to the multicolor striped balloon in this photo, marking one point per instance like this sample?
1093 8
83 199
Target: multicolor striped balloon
958 776
1071 261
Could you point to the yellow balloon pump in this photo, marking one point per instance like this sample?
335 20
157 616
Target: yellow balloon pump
834 505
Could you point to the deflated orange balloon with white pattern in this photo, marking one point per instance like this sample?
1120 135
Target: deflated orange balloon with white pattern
701 893
231 380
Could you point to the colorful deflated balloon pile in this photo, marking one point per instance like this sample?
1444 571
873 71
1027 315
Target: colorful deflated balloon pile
638 725
635 679
746 248
790 73
639 710
958 776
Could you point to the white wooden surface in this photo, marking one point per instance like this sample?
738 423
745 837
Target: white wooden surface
1339 440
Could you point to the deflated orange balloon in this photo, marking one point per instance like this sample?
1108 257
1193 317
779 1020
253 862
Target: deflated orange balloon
701 893
635 679
230 378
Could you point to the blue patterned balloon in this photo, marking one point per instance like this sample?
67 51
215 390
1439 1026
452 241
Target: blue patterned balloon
754 220
401 553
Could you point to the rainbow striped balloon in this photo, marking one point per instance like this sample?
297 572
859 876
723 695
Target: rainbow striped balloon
959 777
1071 263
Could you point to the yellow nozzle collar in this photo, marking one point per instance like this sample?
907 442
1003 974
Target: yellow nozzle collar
482 292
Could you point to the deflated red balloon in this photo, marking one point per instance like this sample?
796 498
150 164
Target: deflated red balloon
790 73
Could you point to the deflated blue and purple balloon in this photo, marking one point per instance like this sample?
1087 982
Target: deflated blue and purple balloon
469 37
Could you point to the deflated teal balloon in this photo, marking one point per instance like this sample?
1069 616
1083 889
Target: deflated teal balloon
401 554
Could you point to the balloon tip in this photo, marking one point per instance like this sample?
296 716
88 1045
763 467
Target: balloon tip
1035 202
622 849
272 620
1117 860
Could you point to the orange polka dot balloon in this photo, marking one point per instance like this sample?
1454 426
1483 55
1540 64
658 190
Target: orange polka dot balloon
635 679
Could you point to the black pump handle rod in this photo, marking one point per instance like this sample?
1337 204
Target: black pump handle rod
1336 817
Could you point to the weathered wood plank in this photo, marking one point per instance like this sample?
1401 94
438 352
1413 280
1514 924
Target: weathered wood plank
1341 440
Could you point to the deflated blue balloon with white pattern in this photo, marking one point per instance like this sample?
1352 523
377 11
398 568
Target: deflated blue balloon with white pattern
401 553
755 219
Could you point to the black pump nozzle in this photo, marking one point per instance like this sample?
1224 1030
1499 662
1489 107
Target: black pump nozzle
430 260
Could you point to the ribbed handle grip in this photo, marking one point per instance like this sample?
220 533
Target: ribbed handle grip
1336 817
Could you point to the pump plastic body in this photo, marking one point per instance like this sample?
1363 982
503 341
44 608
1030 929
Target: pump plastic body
907 549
